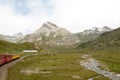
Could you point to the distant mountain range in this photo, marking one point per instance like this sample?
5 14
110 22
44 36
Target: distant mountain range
106 40
50 34
14 38
91 34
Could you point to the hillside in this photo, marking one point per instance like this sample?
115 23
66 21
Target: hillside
109 39
91 34
6 47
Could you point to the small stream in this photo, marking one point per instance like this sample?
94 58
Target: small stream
92 64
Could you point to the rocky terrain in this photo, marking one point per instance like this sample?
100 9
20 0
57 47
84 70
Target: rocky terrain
52 35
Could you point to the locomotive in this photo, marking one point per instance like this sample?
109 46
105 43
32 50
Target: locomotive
5 58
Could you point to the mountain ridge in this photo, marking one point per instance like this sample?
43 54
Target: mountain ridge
93 33
52 35
13 38
109 39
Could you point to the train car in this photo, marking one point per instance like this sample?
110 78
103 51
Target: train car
5 58
15 56
2 59
8 58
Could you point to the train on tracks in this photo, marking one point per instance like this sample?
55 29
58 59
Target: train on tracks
5 58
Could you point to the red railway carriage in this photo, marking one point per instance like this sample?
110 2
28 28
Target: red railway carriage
2 59
8 58
5 58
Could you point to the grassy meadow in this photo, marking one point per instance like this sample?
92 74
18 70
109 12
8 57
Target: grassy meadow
110 59
62 66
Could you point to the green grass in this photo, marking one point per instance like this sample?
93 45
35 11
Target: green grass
57 67
7 47
110 59
101 78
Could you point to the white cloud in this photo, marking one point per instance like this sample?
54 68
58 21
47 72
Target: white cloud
83 14
11 23
74 15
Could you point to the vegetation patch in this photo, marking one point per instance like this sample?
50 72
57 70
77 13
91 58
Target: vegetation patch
50 67
109 59
8 47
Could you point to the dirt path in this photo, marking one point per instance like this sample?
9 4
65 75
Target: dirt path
4 68
92 64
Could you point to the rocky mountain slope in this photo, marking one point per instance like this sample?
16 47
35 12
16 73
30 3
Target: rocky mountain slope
109 39
14 38
52 35
91 34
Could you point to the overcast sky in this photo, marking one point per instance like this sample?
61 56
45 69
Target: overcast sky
75 15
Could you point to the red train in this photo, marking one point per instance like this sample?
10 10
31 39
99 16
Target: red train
4 58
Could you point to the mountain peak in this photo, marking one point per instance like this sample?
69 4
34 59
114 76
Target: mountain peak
51 34
49 25
106 28
18 34
52 24
48 28
97 30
